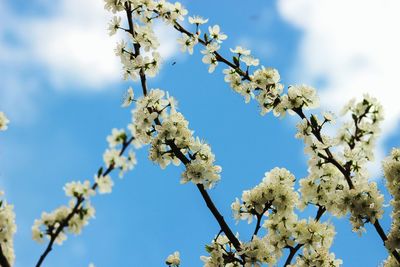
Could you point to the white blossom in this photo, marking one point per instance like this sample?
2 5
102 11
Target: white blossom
197 20
128 98
114 25
8 229
188 42
216 34
241 51
117 137
3 121
173 259
78 189
104 183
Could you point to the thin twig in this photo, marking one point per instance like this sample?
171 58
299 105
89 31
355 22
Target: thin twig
64 223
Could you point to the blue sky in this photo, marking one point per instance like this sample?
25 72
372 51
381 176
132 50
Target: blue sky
62 90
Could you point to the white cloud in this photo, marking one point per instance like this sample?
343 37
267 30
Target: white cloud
70 42
73 44
353 47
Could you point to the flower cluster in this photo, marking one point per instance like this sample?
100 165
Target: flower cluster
71 218
274 192
135 64
264 85
3 121
275 198
141 34
390 262
173 260
297 97
113 158
391 167
155 121
359 134
8 229
317 257
7 216
221 253
258 252
339 181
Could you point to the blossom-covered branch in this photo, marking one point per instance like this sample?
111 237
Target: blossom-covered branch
7 218
349 191
197 168
74 217
265 81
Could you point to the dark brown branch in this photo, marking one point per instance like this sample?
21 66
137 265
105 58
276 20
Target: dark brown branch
383 236
3 260
177 152
317 134
259 218
210 204
136 46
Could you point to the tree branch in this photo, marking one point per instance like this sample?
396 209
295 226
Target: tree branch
3 260
210 204
64 223
259 218
329 156
383 236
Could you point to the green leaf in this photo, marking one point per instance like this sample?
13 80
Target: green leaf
236 61
314 122
100 172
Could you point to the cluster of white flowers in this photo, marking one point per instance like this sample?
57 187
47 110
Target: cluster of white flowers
326 184
359 134
7 230
55 224
155 121
64 219
390 262
317 257
285 231
297 97
391 167
337 181
275 199
3 121
173 260
275 192
7 216
264 85
141 33
114 158
221 253
133 63
258 252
